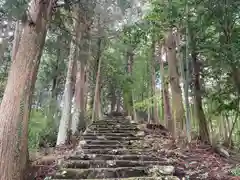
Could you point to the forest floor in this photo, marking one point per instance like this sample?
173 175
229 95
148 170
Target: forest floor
195 161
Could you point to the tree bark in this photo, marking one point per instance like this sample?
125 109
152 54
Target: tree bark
65 121
168 121
95 111
14 109
177 102
86 83
98 99
128 100
78 104
17 37
200 116
67 100
78 123
153 78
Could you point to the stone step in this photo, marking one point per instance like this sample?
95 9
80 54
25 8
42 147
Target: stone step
114 128
113 151
103 173
110 134
133 157
103 142
111 131
85 164
102 146
102 125
113 122
133 178
100 143
118 138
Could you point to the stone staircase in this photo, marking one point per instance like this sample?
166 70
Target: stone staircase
107 152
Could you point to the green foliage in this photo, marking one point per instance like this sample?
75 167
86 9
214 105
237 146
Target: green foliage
41 130
146 103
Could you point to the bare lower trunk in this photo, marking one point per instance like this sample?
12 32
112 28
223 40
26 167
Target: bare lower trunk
86 87
134 113
78 123
167 108
24 138
177 102
96 98
153 78
165 94
200 116
98 102
14 109
77 99
65 121
129 95
27 109
95 111
67 100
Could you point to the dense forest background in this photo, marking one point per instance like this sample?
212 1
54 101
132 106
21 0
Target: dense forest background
65 64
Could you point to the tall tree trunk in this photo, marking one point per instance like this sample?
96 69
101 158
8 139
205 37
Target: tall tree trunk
78 114
128 100
78 122
98 100
97 69
153 87
86 87
177 102
148 95
65 121
134 113
67 101
167 107
24 154
165 90
200 116
95 111
86 78
14 109
186 79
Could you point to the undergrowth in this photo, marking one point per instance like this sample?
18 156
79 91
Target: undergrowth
42 130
